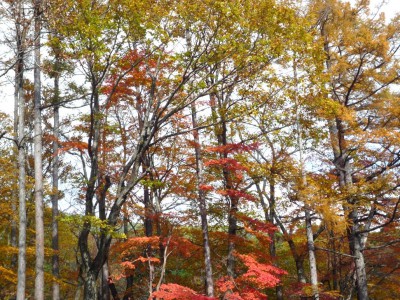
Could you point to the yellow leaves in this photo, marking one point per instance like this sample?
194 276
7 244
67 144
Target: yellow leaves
320 195
96 225
8 275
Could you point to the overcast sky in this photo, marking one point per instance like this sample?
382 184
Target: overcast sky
390 8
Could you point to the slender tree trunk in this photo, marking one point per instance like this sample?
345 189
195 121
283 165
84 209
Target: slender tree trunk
334 264
232 228
311 254
233 200
105 290
271 218
307 209
89 271
129 279
14 195
39 228
148 223
21 156
55 192
22 195
209 283
299 259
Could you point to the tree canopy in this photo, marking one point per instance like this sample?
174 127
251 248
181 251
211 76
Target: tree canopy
200 150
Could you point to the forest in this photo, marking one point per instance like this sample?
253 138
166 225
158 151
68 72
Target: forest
210 149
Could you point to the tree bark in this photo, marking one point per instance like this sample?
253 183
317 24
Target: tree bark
39 222
20 38
307 209
209 283
270 217
55 192
105 291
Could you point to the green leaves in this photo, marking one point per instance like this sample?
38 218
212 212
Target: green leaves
97 226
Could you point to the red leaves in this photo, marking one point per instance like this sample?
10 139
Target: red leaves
128 265
173 291
236 194
74 145
259 226
225 284
133 245
227 163
248 286
261 275
206 188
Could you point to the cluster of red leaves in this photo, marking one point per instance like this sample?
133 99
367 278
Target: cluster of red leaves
133 63
182 247
73 145
248 286
257 225
134 245
206 188
236 194
229 164
261 275
173 291
226 286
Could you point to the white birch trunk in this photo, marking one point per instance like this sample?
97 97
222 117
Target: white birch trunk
203 206
307 210
37 140
21 284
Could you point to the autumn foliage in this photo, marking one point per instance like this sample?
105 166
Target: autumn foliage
232 150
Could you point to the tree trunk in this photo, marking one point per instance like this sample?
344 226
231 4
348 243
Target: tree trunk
90 287
20 37
307 209
271 218
105 290
356 249
14 200
55 192
39 228
311 254
22 194
209 283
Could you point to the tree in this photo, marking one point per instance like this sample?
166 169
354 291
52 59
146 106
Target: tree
39 218
365 154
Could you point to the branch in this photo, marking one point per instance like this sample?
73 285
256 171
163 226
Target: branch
384 224
164 263
319 231
335 252
383 246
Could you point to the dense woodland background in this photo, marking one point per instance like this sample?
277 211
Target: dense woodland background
238 149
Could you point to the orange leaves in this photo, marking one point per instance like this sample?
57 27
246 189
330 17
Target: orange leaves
228 163
134 244
173 291
256 225
236 194
248 286
8 275
205 187
74 145
261 275
128 265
